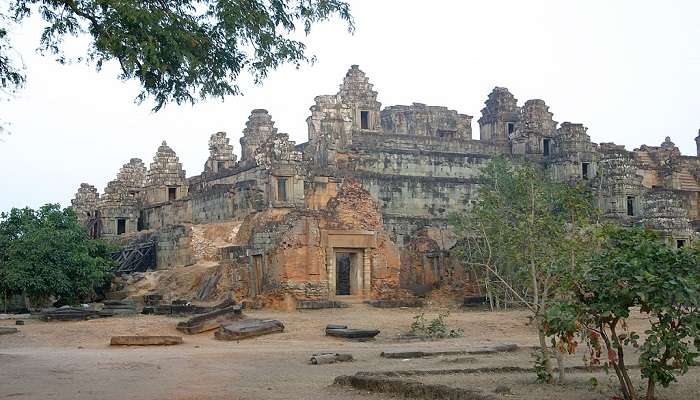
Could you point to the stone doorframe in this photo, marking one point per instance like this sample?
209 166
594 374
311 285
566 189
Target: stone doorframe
352 241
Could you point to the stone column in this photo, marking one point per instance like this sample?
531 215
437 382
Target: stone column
330 261
366 273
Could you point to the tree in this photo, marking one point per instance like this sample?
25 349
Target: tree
178 50
46 253
524 232
633 268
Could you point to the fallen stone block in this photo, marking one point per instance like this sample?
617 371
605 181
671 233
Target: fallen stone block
145 340
69 314
395 303
330 358
407 388
344 332
319 304
248 328
6 330
152 299
210 321
19 322
403 354
496 348
118 307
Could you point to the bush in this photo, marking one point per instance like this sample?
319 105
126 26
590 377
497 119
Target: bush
437 328
46 253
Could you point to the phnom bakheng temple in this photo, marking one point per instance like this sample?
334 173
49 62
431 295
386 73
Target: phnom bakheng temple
361 209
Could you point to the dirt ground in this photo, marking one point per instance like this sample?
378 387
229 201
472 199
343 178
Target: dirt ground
72 360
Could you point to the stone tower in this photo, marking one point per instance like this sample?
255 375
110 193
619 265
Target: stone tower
534 130
357 93
499 117
165 180
697 144
85 202
133 175
258 129
220 154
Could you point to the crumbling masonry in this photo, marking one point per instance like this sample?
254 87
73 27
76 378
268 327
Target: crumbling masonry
361 208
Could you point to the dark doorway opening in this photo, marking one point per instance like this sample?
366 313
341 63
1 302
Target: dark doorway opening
364 119
121 226
172 193
545 146
630 206
680 243
343 266
511 128
281 189
584 170
219 165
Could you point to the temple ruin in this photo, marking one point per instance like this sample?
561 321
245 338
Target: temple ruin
361 208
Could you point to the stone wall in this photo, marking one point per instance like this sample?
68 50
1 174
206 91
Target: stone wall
381 183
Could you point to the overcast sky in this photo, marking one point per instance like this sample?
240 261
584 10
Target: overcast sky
628 70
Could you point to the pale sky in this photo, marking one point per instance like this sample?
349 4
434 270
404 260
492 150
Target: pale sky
628 70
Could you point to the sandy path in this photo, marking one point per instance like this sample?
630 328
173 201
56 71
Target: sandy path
71 360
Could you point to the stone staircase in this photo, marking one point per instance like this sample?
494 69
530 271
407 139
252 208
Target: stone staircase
688 182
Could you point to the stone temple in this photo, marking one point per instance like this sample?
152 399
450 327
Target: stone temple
361 208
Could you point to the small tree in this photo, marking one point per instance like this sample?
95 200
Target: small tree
635 269
46 253
522 235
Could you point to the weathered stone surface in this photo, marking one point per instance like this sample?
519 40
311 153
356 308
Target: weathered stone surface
349 333
381 183
210 321
69 314
145 340
248 328
6 330
330 358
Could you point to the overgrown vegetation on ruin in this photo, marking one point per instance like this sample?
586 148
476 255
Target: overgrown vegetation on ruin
522 237
537 244
46 253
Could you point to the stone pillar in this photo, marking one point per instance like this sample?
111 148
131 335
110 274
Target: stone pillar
330 261
697 144
366 273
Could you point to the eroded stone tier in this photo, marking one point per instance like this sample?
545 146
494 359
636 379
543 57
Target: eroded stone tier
535 118
85 202
357 90
165 170
220 153
499 104
133 174
258 129
423 120
664 212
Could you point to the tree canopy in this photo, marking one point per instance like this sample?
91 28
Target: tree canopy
634 268
46 252
178 50
523 235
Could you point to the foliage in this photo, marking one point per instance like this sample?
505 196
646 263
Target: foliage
635 269
46 253
437 328
523 236
179 50
543 374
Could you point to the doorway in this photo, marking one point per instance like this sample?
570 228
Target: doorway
343 267
348 273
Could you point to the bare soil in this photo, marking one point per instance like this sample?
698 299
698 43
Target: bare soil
72 360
